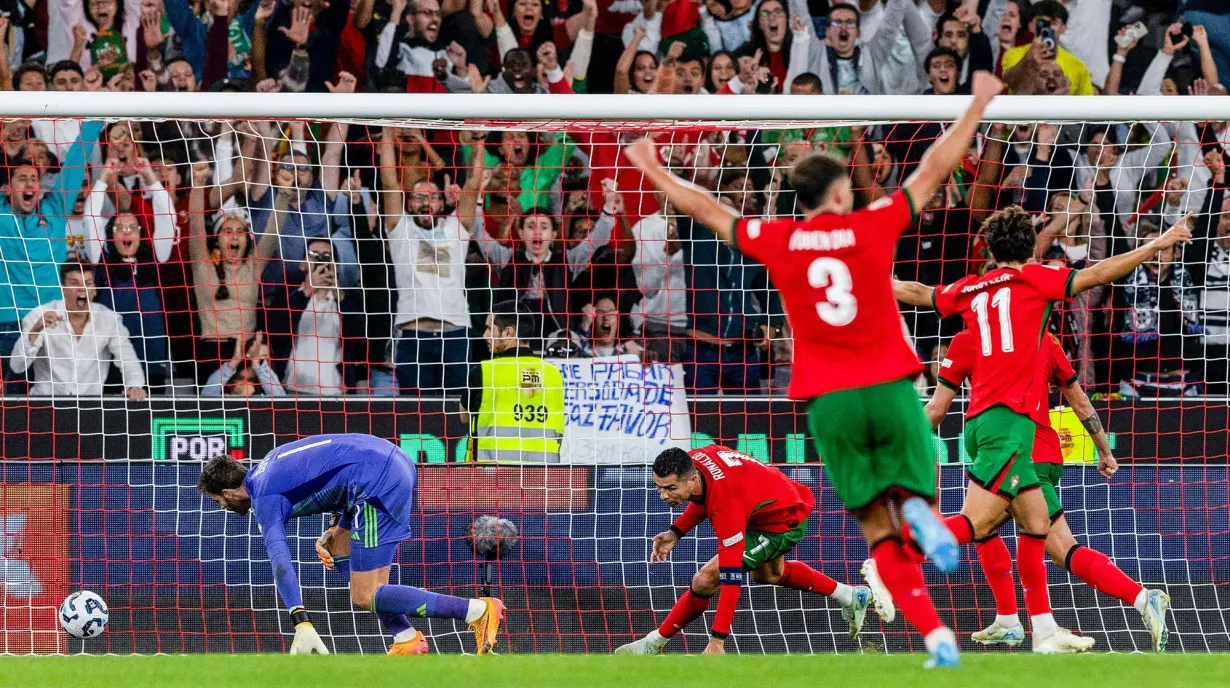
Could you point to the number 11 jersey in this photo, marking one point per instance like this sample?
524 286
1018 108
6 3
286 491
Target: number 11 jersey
834 273
1006 310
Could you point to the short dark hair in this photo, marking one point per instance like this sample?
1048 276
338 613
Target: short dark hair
809 79
673 461
1055 252
813 176
64 66
1010 235
941 51
944 19
70 267
1049 8
27 68
507 314
858 16
221 473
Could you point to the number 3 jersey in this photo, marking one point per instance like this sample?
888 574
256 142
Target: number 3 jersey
834 273
1006 311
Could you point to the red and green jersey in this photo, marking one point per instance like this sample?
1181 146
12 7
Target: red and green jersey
1053 368
834 274
1005 311
740 494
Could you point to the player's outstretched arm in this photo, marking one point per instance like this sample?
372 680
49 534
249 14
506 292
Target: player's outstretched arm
1120 266
939 404
913 293
944 156
1079 401
683 195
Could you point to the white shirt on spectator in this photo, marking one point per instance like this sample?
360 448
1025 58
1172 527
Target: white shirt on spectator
58 134
316 359
899 70
70 364
430 269
660 277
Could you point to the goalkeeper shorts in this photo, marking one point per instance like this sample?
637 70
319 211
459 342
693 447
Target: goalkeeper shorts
381 520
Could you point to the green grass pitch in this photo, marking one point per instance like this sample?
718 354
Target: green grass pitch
979 670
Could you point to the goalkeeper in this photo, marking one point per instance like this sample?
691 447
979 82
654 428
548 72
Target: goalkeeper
758 516
369 484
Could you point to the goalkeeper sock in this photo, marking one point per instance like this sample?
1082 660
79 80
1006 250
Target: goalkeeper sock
800 576
404 599
1102 575
997 568
1031 566
904 579
398 625
686 609
962 528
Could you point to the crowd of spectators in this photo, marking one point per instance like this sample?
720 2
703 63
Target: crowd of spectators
307 258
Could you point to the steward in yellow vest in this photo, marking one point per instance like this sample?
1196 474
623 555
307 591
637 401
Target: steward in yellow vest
519 399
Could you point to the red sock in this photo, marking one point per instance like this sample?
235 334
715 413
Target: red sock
1031 566
961 528
1100 572
997 567
904 579
686 609
800 576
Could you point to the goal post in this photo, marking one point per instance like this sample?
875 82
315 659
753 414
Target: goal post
98 492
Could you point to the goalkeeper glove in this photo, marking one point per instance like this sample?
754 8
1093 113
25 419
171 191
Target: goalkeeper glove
307 640
322 547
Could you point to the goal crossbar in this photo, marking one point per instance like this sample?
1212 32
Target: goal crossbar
674 108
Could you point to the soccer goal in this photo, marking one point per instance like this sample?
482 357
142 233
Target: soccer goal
256 269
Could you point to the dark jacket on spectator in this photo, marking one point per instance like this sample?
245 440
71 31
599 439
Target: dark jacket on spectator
322 46
728 296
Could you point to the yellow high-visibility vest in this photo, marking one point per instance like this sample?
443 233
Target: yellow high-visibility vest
521 417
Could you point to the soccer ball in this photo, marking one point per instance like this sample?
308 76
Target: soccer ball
84 615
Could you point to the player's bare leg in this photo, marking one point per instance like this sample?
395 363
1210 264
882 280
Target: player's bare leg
1101 574
800 576
690 605
901 577
371 590
406 639
333 548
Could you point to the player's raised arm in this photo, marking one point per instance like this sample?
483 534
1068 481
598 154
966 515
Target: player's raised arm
683 195
1079 401
913 293
1119 266
944 155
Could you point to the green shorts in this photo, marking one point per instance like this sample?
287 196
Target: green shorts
874 441
759 546
1001 441
1048 476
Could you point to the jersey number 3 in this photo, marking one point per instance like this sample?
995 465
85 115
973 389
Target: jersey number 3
1000 302
839 305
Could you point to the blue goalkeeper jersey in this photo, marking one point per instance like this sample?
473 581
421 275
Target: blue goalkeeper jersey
315 475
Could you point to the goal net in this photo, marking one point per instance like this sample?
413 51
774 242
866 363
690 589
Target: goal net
255 281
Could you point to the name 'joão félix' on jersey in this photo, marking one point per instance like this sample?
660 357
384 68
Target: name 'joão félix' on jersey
817 240
989 283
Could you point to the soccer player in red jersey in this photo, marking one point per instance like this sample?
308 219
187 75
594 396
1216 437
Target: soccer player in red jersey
758 516
1091 566
852 361
1006 310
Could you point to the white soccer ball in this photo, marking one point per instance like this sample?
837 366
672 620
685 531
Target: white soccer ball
84 615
